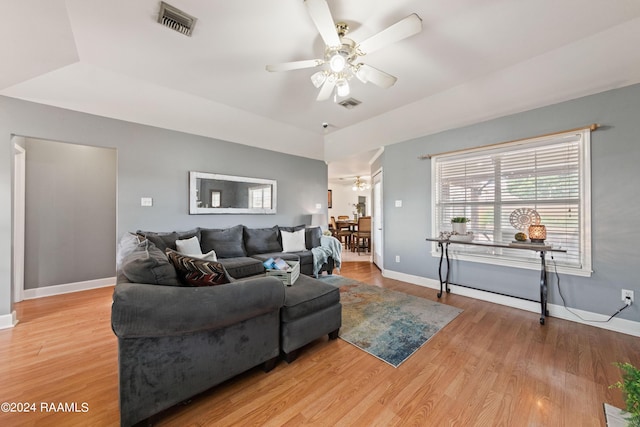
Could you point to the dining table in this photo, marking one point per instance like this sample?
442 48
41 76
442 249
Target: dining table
351 224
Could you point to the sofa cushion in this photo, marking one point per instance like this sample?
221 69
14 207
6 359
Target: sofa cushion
240 267
168 240
293 241
312 237
197 272
307 296
261 240
227 242
148 264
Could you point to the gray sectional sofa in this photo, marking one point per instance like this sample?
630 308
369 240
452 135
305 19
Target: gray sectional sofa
242 250
175 340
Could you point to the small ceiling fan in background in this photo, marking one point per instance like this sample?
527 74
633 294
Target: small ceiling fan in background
340 62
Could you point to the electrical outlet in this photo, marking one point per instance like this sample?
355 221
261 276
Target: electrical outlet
627 294
397 258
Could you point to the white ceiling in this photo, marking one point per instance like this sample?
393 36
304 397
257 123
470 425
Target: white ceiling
473 61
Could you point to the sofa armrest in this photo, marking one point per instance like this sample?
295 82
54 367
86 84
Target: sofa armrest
143 310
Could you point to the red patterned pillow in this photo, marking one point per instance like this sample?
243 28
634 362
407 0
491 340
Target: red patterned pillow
197 272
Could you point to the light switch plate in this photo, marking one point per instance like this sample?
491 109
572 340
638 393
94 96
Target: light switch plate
146 201
398 203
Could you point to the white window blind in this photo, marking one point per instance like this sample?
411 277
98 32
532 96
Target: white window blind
550 175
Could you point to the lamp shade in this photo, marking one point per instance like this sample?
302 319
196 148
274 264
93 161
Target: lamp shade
537 233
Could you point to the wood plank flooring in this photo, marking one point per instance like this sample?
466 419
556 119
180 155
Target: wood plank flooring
491 366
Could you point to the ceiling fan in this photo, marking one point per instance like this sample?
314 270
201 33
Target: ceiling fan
340 62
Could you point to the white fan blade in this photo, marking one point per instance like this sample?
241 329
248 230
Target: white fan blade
367 73
321 17
326 90
402 29
296 65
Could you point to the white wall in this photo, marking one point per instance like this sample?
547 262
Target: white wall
344 198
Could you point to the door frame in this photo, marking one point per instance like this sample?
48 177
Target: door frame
19 197
377 211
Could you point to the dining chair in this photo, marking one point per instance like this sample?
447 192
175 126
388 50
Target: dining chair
363 232
339 233
332 224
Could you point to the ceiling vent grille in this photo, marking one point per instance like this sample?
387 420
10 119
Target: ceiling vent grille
176 19
350 103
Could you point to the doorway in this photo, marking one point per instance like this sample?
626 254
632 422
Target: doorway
378 235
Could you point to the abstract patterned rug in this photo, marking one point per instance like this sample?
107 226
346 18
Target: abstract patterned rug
387 324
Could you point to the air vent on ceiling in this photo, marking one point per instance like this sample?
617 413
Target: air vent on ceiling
350 103
176 19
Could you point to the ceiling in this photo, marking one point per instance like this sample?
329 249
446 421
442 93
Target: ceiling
474 60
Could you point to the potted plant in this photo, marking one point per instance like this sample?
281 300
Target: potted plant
630 386
459 224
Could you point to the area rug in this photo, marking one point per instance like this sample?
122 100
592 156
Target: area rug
387 324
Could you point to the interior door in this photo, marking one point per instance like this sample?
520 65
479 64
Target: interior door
376 218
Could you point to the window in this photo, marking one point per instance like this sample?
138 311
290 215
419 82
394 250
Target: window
260 197
216 197
549 174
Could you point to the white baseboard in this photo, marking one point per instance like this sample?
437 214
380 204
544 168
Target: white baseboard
48 291
624 326
8 320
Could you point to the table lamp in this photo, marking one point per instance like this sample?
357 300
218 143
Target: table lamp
537 233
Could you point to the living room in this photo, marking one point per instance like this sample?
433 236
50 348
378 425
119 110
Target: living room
574 355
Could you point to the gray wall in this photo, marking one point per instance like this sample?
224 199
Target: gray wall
155 163
70 220
615 154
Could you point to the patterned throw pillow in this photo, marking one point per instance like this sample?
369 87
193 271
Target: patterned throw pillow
197 272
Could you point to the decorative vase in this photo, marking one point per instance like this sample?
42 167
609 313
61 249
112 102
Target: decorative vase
459 227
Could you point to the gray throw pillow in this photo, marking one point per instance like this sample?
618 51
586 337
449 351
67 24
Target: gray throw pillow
148 264
128 243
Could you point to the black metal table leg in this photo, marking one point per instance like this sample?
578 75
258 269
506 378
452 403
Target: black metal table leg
440 268
543 288
444 252
446 281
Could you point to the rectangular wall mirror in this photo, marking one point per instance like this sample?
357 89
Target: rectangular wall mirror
211 193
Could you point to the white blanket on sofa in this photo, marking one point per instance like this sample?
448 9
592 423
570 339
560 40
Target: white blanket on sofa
329 247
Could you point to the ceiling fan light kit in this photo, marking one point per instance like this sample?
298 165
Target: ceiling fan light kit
341 53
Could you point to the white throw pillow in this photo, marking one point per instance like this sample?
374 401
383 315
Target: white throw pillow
209 256
189 247
293 241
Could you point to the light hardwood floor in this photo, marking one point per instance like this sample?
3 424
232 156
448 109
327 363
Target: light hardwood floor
491 366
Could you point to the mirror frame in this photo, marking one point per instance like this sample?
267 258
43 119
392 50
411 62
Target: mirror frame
194 209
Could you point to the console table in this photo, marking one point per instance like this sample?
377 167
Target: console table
443 244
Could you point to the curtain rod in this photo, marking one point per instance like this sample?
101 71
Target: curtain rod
591 127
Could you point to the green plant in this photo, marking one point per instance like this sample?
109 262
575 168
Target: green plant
630 386
461 219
